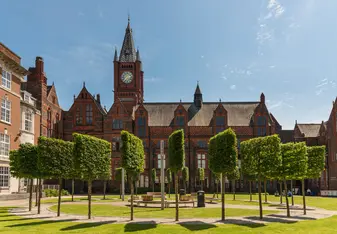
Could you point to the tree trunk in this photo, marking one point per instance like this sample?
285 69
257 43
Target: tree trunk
132 192
233 190
89 199
287 200
72 189
281 193
59 200
169 185
36 192
39 197
265 191
104 189
303 194
136 188
291 189
260 199
250 191
223 190
30 194
217 190
176 192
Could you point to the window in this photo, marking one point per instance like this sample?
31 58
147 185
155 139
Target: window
6 110
159 161
88 114
26 98
201 160
6 79
4 145
28 121
220 123
202 144
79 119
261 131
4 176
180 121
141 126
117 124
261 121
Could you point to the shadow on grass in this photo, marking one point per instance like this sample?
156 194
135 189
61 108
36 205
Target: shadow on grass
293 217
245 223
86 225
272 220
21 219
139 226
40 223
196 225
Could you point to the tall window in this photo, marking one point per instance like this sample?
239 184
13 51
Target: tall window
261 131
201 160
4 146
180 121
261 121
159 161
6 79
4 176
79 119
220 123
141 126
88 114
6 110
28 121
117 124
202 144
49 123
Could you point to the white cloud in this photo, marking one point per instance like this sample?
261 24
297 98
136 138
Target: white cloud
224 77
202 56
278 105
272 66
232 87
152 79
324 85
276 9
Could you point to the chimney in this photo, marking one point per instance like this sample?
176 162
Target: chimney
98 98
39 65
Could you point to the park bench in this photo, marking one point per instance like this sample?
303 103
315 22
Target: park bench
139 202
155 194
168 203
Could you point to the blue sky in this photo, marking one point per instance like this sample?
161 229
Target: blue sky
236 49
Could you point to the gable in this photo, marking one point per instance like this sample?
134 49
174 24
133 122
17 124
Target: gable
52 95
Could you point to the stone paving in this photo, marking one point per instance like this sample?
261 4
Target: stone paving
280 217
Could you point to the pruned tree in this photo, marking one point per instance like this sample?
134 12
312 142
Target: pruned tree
132 159
153 177
186 176
55 160
176 150
169 180
201 176
92 157
15 164
247 162
233 176
316 165
223 157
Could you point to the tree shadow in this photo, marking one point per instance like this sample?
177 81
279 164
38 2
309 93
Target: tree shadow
41 223
272 220
196 225
245 223
21 219
293 217
87 225
139 226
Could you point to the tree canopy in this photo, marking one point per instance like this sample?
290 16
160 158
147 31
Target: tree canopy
185 174
15 164
176 150
29 158
316 161
201 173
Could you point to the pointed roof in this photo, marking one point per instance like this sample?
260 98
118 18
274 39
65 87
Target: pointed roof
309 129
128 51
197 90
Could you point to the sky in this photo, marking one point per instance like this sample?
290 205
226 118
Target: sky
235 49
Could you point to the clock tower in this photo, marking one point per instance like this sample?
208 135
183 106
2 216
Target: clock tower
128 74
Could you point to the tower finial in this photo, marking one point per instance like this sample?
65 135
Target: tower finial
116 56
220 100
83 84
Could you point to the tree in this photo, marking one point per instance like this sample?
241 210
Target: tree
263 154
169 180
294 164
132 159
153 177
316 164
186 176
223 157
14 164
233 176
201 176
92 160
247 162
176 150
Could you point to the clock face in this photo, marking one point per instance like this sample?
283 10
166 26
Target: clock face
127 77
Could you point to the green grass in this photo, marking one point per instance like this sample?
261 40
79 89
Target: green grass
141 212
110 198
10 224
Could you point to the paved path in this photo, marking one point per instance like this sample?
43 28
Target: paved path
296 215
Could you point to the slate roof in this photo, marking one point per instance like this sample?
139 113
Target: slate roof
128 51
162 114
287 136
309 130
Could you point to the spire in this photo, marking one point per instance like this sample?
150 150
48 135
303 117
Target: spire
138 55
197 90
128 52
262 98
116 56
83 84
198 97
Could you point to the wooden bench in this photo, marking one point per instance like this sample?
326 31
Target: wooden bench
212 199
155 194
168 203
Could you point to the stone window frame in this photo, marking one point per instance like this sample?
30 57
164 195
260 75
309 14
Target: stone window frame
28 121
6 79
6 106
4 177
5 145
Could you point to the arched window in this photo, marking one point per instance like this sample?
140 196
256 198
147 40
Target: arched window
79 119
88 114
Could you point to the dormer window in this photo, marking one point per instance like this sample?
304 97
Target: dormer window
219 123
180 121
261 121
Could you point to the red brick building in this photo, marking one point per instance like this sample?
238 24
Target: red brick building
153 122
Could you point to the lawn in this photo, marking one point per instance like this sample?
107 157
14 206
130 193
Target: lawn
110 198
14 224
123 211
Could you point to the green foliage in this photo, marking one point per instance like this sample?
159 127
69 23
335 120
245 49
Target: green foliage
222 152
169 175
235 175
294 161
248 162
217 177
153 174
132 154
55 192
316 161
118 174
14 163
185 174
176 150
201 173
55 157
92 157
28 159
